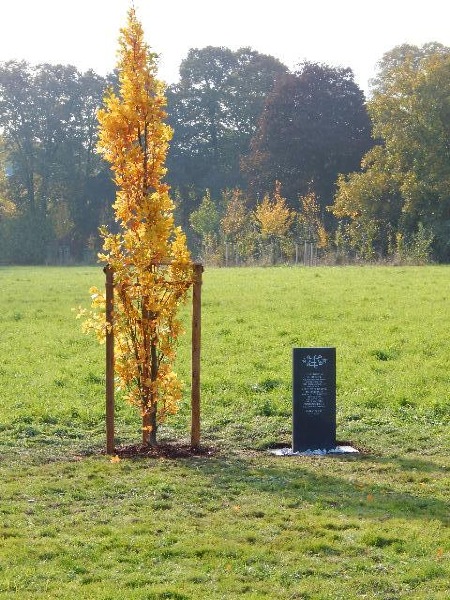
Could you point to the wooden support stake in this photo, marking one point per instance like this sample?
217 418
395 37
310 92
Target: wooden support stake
196 348
109 375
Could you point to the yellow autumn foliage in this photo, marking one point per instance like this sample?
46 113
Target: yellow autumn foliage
148 255
274 217
311 222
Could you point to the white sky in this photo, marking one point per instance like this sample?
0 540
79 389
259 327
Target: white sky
349 33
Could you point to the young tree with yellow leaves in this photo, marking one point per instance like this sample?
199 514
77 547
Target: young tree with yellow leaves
237 224
310 222
205 222
274 218
7 208
148 256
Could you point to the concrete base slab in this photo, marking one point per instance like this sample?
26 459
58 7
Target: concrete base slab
318 452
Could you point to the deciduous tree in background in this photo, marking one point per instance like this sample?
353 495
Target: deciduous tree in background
205 222
274 219
7 208
310 222
49 130
314 126
214 110
238 225
149 257
404 185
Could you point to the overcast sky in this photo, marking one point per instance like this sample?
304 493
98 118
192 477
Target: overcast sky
349 33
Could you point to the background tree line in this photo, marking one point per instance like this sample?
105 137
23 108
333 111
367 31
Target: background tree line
262 159
58 189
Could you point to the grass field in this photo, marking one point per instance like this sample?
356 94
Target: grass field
241 523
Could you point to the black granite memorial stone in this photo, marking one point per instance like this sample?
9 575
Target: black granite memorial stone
314 399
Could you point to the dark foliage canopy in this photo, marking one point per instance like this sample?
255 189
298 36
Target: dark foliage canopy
214 111
313 127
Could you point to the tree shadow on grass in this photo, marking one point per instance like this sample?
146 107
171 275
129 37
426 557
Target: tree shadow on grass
304 483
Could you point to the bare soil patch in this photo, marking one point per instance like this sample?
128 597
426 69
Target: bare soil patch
164 450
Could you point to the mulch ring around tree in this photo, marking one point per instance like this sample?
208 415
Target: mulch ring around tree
164 450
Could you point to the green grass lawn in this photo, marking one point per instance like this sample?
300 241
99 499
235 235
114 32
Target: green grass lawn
241 523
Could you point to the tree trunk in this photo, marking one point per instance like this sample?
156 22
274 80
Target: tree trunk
149 412
149 427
